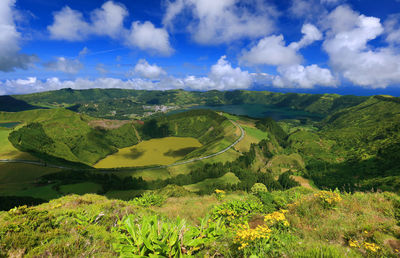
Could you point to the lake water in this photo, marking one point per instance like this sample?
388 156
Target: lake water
259 111
9 125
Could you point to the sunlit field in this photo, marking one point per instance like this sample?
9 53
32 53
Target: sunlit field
162 151
8 151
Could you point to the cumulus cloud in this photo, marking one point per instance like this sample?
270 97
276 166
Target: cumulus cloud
298 76
213 22
352 56
108 20
69 25
10 56
222 77
310 34
272 50
65 65
147 37
144 69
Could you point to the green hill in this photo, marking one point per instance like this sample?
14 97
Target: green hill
100 102
67 135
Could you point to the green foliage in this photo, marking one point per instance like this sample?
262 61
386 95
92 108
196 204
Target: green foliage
151 129
258 188
233 212
272 127
154 237
149 199
286 181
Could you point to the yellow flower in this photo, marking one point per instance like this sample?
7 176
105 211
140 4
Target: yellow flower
246 235
353 243
371 247
219 191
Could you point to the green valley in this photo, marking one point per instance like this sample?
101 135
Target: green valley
203 174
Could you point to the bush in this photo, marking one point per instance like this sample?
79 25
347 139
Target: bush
258 188
233 212
149 199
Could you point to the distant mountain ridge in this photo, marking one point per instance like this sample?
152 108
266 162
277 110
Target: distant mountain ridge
314 103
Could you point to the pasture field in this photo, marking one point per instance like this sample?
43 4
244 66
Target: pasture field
42 192
125 195
228 178
161 151
17 176
80 188
164 173
8 151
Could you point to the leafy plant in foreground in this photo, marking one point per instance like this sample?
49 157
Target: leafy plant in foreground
154 237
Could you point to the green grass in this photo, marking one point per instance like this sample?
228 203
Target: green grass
161 151
126 195
15 177
8 151
228 178
85 225
80 188
42 192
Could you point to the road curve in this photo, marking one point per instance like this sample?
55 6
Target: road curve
156 167
242 133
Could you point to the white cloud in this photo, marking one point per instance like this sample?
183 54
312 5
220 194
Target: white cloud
144 69
108 21
312 9
147 37
10 57
69 25
351 56
271 50
298 76
65 65
392 28
213 22
222 77
311 34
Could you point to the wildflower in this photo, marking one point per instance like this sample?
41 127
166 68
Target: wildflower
328 199
275 217
371 247
217 191
246 235
354 243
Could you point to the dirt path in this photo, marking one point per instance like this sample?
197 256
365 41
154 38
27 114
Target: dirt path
137 133
303 182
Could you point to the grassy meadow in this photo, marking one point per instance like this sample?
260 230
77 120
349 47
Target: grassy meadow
15 177
161 151
228 178
80 188
8 151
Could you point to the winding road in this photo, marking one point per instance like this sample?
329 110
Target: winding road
37 163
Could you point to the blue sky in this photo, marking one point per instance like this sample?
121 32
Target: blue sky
316 46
